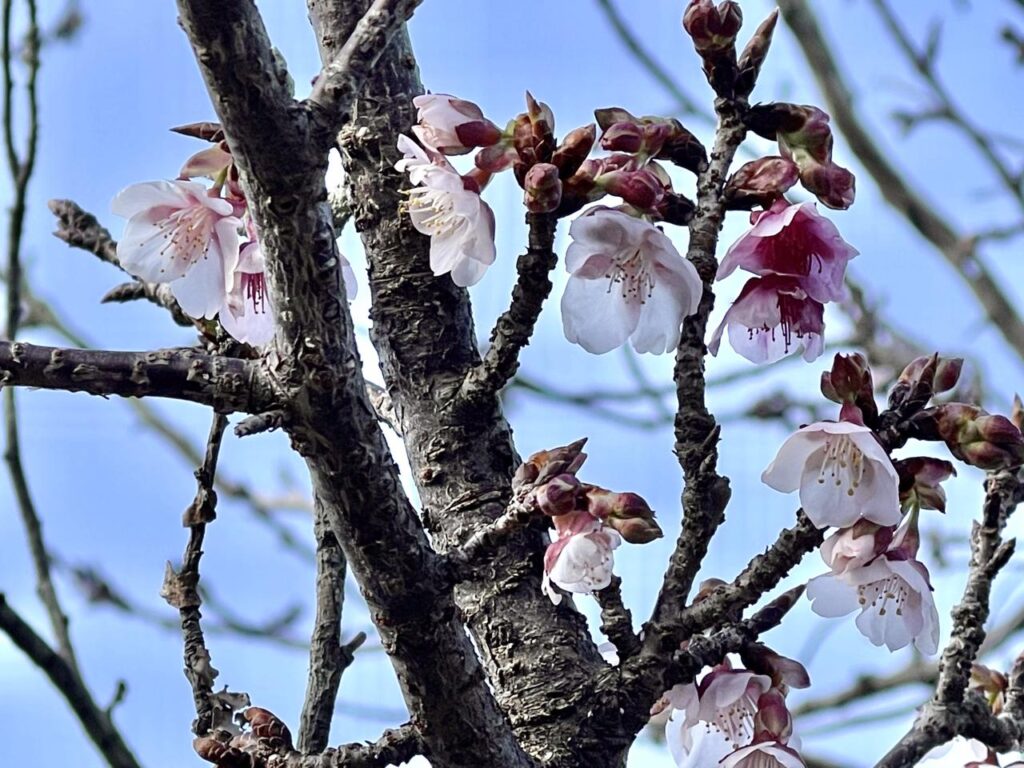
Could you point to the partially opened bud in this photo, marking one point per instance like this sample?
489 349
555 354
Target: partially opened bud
924 377
981 439
542 188
773 721
641 188
674 208
451 125
850 382
784 672
624 136
712 28
760 182
627 513
545 465
991 683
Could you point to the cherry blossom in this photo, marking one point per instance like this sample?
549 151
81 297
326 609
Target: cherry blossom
771 317
892 592
842 472
627 281
460 224
451 125
958 752
179 232
247 313
793 240
579 558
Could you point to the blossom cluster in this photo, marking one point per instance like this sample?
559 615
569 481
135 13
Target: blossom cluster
736 717
589 522
203 242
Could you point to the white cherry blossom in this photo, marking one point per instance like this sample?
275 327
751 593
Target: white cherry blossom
460 224
842 473
179 233
627 281
579 558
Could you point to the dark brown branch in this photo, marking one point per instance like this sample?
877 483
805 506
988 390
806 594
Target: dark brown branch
616 620
514 328
331 423
396 746
228 384
94 719
181 588
342 78
327 658
919 213
706 493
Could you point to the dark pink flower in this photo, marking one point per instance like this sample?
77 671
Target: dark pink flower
771 317
793 240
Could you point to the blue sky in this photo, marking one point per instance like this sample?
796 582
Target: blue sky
111 493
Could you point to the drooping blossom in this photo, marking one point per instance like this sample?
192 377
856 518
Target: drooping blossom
452 125
247 314
180 233
579 558
460 224
771 317
763 754
842 472
796 241
627 281
892 592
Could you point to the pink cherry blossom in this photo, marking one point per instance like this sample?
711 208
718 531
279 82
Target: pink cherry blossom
451 125
627 281
893 593
842 473
772 317
579 558
460 224
178 232
248 314
856 546
728 701
797 241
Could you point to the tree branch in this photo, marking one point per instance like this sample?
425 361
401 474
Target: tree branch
227 384
94 720
514 328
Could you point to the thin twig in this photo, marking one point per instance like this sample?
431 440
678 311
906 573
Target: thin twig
326 658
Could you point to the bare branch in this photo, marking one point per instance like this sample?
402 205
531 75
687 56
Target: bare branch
227 384
514 328
397 745
327 659
616 620
95 721
341 79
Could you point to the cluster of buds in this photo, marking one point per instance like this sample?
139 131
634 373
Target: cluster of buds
588 520
713 29
261 733
976 437
805 140
736 717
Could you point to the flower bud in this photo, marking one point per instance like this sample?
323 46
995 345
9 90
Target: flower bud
624 136
452 126
712 28
212 132
223 755
978 438
545 465
641 189
760 182
682 148
542 188
627 513
268 726
574 149
920 482
496 158
833 185
850 382
923 377
558 495
753 56
707 588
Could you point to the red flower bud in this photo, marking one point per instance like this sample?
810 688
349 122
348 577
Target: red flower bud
542 188
753 56
574 149
761 182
